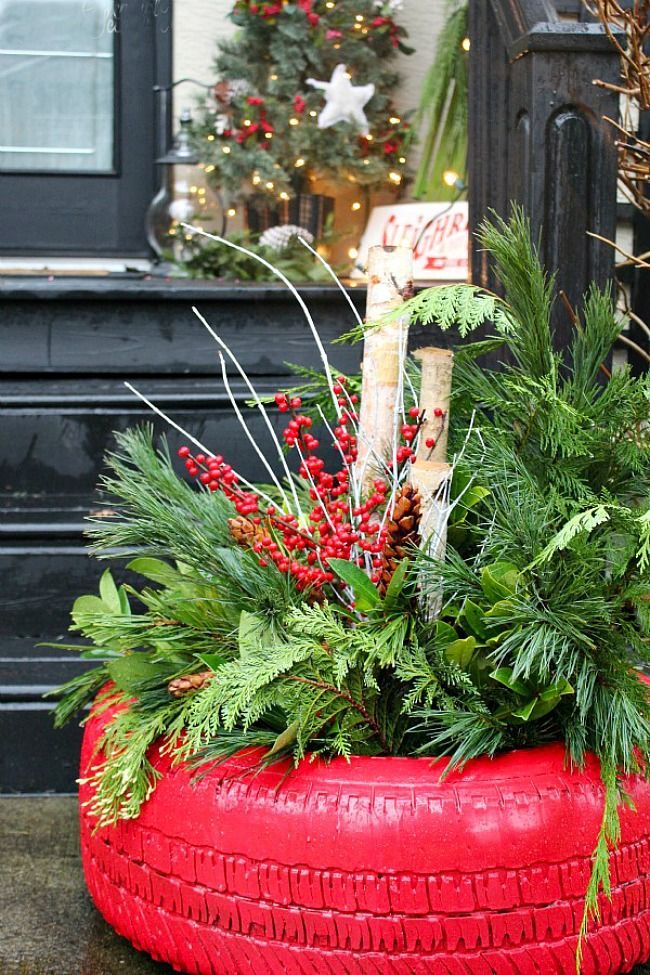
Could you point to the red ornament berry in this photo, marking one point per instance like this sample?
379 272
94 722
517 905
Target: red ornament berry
183 452
438 411
414 411
430 443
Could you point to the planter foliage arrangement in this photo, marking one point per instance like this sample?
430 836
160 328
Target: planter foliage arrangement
386 714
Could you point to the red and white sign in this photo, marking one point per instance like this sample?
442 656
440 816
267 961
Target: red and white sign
437 232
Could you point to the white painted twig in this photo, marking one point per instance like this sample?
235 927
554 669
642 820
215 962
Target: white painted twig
259 405
335 277
197 443
294 292
249 435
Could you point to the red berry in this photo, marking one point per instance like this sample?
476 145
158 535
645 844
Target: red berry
430 443
437 411
414 411
183 451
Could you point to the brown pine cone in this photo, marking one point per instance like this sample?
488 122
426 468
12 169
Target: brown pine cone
245 532
402 533
180 686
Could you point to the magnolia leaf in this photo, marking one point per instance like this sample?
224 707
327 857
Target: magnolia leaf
472 618
211 660
128 671
366 596
85 605
253 633
109 594
156 570
499 580
445 633
461 652
286 739
525 712
396 585
504 676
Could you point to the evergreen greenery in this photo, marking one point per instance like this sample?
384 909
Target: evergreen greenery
261 132
443 110
544 593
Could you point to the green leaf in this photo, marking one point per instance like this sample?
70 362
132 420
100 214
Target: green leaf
526 710
254 633
212 660
127 672
156 570
285 739
85 605
461 651
445 634
499 580
125 606
504 676
396 585
109 594
366 596
472 618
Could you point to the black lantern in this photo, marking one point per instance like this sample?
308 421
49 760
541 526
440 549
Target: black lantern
175 200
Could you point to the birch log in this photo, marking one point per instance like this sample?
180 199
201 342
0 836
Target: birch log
431 472
390 282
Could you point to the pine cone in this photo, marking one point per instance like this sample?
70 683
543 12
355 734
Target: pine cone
180 686
402 533
245 532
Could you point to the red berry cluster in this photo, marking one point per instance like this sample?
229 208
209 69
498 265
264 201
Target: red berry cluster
336 526
216 475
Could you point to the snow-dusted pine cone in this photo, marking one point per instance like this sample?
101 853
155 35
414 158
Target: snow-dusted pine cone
402 533
277 238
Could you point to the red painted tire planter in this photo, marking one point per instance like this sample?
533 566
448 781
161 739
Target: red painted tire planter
372 867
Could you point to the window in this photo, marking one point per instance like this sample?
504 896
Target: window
77 126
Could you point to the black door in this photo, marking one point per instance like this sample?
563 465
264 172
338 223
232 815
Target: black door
77 123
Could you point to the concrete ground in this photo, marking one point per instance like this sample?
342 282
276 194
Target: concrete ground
48 925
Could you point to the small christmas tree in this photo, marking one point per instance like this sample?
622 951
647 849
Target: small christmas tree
304 91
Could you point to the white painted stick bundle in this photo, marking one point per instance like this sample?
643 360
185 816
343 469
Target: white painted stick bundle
390 280
431 472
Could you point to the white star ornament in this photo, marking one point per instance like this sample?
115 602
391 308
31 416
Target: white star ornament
343 101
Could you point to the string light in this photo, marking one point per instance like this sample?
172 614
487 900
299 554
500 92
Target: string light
270 185
364 30
402 159
225 150
356 205
211 138
210 168
247 121
369 137
366 162
268 135
353 252
231 212
313 114
294 121
359 18
356 27
284 196
395 178
466 44
450 178
256 179
273 77
330 5
299 162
